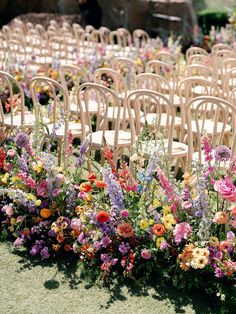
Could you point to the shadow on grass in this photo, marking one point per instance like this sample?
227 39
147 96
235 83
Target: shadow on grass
119 290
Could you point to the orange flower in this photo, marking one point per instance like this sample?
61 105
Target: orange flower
125 230
85 187
158 229
233 212
221 218
92 177
56 247
100 184
60 237
67 247
102 216
45 213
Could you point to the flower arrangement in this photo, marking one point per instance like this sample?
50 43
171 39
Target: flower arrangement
122 224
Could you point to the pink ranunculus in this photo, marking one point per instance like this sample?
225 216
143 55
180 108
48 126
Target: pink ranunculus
124 213
226 189
146 254
42 188
56 192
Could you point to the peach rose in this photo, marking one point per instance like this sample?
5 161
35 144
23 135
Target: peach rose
125 230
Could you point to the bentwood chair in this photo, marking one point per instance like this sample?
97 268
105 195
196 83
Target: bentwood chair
116 134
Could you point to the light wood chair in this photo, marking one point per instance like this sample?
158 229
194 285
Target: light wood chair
195 51
116 135
216 127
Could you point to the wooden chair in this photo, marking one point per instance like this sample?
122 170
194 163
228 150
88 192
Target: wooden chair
57 111
150 106
140 38
216 127
195 51
115 135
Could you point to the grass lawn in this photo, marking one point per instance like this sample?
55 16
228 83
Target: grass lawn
28 287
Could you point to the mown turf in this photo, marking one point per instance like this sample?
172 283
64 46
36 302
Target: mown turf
27 287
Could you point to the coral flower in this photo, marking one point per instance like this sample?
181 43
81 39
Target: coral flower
158 229
125 230
45 213
102 216
85 187
100 184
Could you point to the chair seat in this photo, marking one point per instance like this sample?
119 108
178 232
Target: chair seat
96 138
29 120
74 128
151 120
209 127
93 107
113 111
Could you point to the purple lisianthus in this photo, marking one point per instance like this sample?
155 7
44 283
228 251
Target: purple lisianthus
44 253
18 242
35 250
22 140
222 153
124 248
105 242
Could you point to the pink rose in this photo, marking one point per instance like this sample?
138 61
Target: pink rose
146 254
11 153
226 189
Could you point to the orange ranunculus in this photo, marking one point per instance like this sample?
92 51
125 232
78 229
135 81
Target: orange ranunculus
158 229
100 184
125 230
56 247
85 187
92 177
102 216
45 213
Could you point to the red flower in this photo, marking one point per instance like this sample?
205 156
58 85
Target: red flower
2 157
85 187
102 216
92 177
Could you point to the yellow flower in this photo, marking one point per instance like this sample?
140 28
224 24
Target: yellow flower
168 220
151 222
13 220
38 202
213 241
143 224
5 178
31 197
166 209
38 167
155 202
158 242
15 179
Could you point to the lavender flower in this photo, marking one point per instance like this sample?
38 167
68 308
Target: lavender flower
106 241
124 248
222 153
82 153
44 253
22 140
114 188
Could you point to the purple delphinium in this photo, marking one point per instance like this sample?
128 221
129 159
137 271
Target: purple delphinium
22 140
82 153
222 153
114 188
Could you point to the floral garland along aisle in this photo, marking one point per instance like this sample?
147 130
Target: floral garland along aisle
120 225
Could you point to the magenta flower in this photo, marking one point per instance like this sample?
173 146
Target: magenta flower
207 149
124 213
42 188
146 254
222 153
75 224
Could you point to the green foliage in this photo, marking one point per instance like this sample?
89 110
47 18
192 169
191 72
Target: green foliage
208 17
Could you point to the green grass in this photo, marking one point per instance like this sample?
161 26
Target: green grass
28 287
